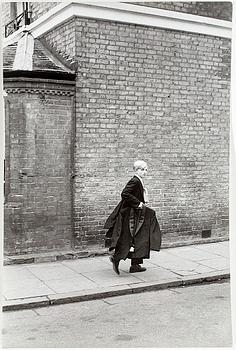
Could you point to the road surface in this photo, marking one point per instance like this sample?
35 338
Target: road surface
196 316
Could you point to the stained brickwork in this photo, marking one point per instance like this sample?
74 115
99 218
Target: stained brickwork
5 15
62 40
40 8
5 12
38 163
141 93
218 9
215 9
158 95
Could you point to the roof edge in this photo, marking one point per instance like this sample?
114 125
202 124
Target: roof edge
61 61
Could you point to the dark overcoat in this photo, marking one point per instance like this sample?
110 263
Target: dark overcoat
146 234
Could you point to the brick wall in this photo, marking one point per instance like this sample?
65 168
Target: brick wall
158 95
38 166
5 12
216 9
62 39
40 8
147 93
5 16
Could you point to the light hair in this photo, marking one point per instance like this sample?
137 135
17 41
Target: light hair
138 164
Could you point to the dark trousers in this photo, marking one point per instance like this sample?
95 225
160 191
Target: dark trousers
125 240
136 261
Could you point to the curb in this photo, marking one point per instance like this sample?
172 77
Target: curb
71 297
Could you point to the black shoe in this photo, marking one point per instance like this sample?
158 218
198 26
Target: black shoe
136 268
115 265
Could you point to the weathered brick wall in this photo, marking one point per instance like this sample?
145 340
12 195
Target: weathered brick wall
5 12
5 16
63 40
146 93
158 95
38 164
40 8
216 9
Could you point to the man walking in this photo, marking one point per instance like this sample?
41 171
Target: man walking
133 229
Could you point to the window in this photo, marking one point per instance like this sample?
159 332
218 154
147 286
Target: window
20 15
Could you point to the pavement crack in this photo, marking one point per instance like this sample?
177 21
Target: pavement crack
107 302
175 291
35 311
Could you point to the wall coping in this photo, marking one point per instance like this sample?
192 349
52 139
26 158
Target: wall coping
61 83
16 85
124 13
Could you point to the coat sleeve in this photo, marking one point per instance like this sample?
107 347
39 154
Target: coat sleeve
128 193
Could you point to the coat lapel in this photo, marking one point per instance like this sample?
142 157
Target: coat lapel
140 220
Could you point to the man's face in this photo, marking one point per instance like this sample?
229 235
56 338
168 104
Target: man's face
142 171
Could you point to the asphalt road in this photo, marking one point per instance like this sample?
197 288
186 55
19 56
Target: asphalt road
196 316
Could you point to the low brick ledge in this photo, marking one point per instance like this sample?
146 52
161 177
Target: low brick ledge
100 293
76 254
52 256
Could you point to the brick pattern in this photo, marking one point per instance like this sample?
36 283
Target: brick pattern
5 16
62 39
147 93
41 60
38 162
220 10
158 95
217 9
40 8
5 12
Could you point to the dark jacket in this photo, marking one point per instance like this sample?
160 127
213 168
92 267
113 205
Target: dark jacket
131 196
146 237
147 233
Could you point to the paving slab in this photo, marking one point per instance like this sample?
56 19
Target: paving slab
218 264
12 274
54 272
25 289
109 278
193 254
215 248
87 265
178 264
44 284
156 274
70 285
203 269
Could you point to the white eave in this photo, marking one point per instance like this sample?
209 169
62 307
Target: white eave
124 13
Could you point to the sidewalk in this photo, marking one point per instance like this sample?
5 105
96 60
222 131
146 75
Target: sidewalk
44 284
